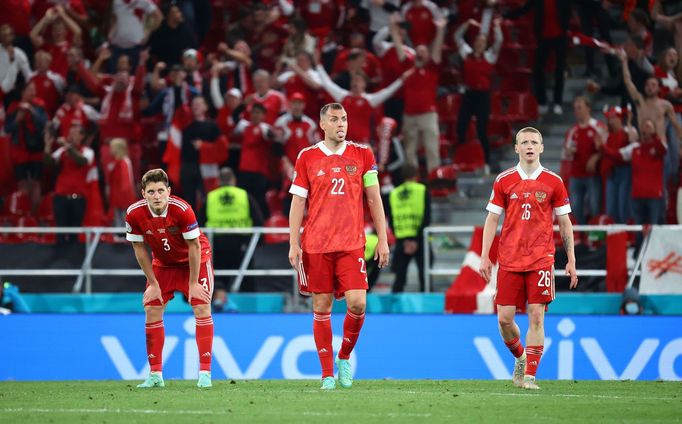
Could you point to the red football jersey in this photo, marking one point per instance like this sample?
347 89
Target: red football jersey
579 146
333 185
165 234
528 201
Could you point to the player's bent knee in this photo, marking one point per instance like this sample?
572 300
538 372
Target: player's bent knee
153 313
358 308
201 311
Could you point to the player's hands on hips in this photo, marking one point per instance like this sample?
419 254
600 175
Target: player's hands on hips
486 268
381 254
152 293
571 272
295 255
198 291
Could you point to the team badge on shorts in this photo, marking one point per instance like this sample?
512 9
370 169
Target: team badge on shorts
351 169
540 196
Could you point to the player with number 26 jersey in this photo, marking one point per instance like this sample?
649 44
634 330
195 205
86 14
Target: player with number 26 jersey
528 201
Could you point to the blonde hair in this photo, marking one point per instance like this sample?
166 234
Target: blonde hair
528 130
118 147
157 175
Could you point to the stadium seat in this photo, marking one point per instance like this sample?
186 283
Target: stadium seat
443 181
46 209
448 107
469 156
276 221
500 132
18 204
274 201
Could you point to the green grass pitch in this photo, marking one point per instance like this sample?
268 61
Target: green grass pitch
369 401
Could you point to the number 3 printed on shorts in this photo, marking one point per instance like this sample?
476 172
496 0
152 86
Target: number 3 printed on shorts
204 283
545 278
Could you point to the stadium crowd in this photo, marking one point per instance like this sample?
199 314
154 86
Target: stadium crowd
95 93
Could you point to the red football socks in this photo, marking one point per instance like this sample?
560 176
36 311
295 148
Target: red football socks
155 336
533 353
515 347
351 330
322 331
204 336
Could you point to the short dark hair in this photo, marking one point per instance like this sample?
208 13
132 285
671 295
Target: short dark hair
583 99
259 106
157 175
333 106
409 171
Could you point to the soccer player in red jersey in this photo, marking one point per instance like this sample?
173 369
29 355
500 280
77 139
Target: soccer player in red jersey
529 195
332 176
181 262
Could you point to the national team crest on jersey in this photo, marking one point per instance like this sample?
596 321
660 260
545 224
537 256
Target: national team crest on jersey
540 196
351 169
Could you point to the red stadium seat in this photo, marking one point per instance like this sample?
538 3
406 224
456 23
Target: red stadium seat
18 204
469 156
500 132
276 221
448 107
46 209
443 181
273 199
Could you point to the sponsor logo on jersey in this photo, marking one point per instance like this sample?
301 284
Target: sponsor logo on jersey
540 196
545 293
526 195
351 169
161 230
192 226
513 196
149 232
336 169
321 173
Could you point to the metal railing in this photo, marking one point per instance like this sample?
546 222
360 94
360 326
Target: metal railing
93 236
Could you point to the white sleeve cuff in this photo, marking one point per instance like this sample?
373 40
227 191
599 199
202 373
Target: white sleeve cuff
191 235
298 191
562 210
494 209
134 237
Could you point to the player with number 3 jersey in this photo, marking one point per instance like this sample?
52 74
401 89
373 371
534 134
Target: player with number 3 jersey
530 196
181 262
333 177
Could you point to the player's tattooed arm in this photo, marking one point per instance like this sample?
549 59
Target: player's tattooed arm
566 231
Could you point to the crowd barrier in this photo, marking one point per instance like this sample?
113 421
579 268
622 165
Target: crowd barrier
74 347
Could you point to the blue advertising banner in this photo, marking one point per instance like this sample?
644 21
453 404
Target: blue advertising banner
74 347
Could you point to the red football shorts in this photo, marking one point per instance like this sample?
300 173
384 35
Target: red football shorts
335 272
176 278
519 288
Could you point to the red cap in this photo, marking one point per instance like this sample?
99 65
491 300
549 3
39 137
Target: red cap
297 96
614 112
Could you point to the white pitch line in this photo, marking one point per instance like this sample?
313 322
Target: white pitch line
581 396
107 410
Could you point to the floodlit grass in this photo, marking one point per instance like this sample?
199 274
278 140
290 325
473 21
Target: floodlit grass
394 401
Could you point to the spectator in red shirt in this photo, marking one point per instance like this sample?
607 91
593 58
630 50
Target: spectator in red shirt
120 185
421 15
74 162
613 168
60 41
420 103
49 85
580 149
478 70
395 58
25 124
74 112
301 77
368 62
322 16
257 138
274 101
295 131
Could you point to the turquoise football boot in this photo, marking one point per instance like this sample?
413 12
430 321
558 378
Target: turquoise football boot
345 375
155 379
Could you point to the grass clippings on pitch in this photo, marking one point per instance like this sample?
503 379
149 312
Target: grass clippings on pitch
369 401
